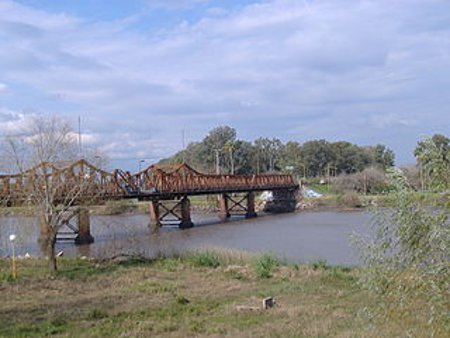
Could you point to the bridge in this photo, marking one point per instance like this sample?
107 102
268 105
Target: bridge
167 188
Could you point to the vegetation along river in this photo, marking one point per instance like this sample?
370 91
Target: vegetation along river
298 237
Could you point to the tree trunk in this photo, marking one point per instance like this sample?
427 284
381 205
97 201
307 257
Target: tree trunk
232 162
51 253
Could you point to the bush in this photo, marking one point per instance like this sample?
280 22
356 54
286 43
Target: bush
407 262
265 264
371 180
349 200
204 258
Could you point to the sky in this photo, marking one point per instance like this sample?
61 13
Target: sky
140 74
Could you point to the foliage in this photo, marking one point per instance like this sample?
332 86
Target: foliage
408 259
204 258
433 155
311 159
370 181
265 264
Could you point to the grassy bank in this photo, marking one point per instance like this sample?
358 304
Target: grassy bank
199 294
350 201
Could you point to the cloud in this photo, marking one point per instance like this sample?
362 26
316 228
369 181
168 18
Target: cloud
3 87
284 68
12 122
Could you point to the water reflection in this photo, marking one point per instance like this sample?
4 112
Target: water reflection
298 237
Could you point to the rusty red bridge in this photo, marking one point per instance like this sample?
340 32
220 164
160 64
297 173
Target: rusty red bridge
166 187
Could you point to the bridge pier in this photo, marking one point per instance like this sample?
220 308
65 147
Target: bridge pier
284 200
175 214
84 227
186 221
153 209
237 205
250 205
224 212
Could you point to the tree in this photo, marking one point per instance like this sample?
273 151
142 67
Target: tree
230 147
39 153
383 156
433 156
406 258
214 145
267 153
317 155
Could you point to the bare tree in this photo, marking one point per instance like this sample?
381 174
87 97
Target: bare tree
43 157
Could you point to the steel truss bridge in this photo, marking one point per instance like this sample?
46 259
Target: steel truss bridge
156 183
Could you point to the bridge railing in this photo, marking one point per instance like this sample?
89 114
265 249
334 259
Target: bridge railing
94 182
167 183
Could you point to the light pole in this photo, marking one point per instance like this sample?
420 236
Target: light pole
12 239
140 164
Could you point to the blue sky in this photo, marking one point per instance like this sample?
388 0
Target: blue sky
140 72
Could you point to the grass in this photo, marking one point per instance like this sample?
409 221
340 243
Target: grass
201 294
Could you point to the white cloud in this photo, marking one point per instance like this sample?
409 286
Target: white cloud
3 87
275 68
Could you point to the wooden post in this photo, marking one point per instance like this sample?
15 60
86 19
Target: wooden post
186 221
153 209
224 213
250 205
84 227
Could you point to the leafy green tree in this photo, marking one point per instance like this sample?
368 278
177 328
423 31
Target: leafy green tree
317 155
291 156
433 156
267 154
383 156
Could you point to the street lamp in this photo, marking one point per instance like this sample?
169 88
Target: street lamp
12 239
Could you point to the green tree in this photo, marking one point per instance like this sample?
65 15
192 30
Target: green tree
267 154
433 156
317 155
214 144
383 156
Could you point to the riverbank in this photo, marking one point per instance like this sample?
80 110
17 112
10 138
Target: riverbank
208 204
202 294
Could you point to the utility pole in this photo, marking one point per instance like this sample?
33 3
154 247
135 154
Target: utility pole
183 144
79 137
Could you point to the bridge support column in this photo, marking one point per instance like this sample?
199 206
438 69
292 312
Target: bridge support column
250 206
84 227
283 201
224 212
186 221
153 209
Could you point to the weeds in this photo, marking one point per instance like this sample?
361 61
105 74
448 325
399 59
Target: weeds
265 264
204 258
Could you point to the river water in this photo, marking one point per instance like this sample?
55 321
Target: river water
297 237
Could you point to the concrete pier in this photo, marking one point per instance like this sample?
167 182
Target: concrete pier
84 227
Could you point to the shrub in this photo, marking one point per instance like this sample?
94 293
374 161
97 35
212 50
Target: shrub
204 258
407 262
265 264
371 180
349 200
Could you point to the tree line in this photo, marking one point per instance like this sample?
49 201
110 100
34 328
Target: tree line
221 151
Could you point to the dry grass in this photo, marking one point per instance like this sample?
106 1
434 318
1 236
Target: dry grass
173 297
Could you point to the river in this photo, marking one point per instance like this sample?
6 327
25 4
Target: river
297 237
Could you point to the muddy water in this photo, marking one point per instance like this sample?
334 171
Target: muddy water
299 237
